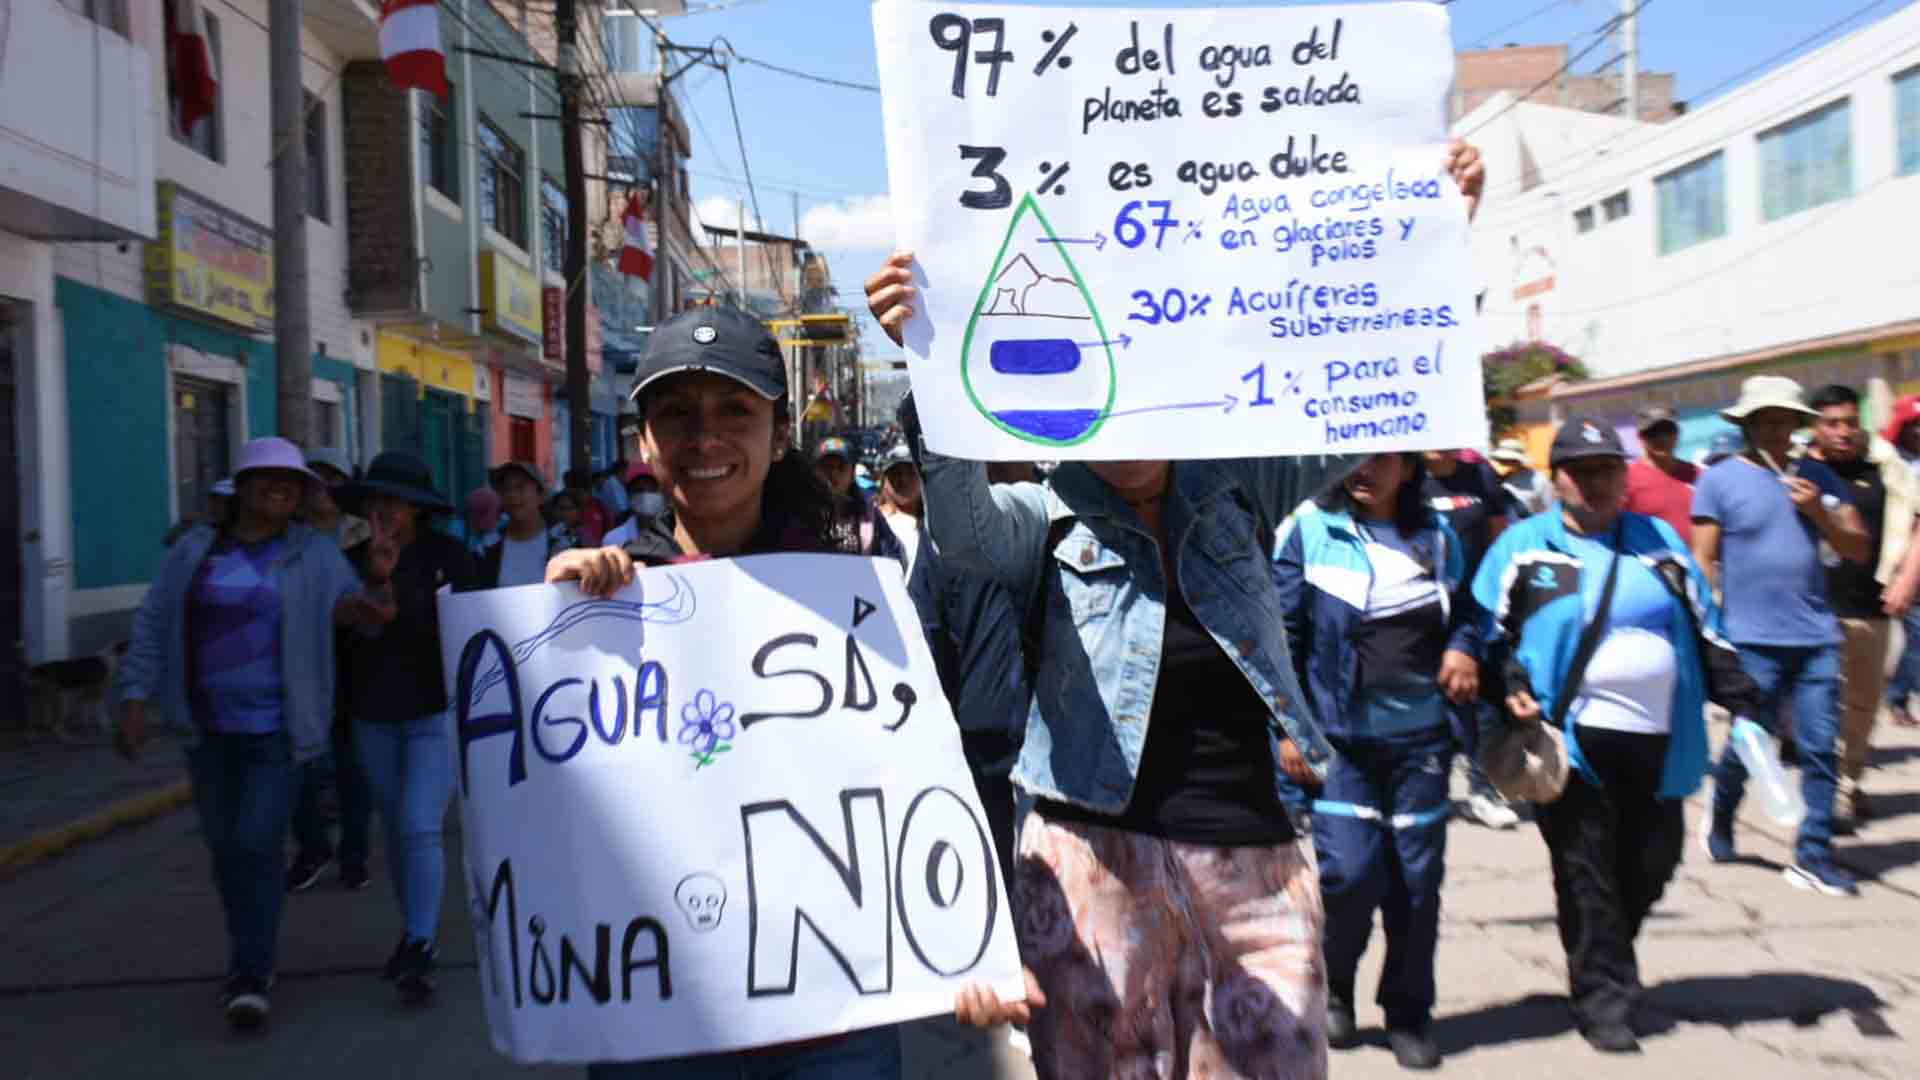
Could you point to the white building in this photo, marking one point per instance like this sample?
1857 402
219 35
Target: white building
136 386
1771 228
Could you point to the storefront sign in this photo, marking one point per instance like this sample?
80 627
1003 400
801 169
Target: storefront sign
812 330
509 298
522 398
427 364
553 324
210 261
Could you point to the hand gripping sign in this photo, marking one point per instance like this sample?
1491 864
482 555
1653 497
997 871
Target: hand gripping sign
1180 233
725 808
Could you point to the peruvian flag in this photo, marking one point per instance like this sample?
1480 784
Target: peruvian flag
410 45
636 259
196 86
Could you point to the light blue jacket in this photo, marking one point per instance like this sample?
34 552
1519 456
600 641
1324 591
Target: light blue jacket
1105 602
312 576
1537 594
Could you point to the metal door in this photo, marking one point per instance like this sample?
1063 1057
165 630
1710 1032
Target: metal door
202 446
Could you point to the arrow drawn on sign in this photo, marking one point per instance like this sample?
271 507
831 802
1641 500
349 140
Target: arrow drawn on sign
1123 341
1225 405
1098 240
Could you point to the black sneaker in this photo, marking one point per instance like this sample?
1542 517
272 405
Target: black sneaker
246 1002
417 971
1413 1048
305 872
1612 1038
1343 1032
395 962
355 878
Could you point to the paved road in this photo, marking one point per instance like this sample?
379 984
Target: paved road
109 958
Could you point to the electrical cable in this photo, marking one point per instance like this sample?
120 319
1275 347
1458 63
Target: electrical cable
746 166
1599 38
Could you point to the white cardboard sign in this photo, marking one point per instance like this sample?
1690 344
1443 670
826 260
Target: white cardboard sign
726 808
1153 233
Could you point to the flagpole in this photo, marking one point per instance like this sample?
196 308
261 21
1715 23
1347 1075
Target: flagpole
292 324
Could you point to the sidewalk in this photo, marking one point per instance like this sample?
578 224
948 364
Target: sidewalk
54 795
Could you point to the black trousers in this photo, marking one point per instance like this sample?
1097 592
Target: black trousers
1614 848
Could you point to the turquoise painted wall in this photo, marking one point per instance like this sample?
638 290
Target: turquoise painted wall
117 398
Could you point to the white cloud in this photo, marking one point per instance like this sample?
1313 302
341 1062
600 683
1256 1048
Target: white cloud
723 213
862 222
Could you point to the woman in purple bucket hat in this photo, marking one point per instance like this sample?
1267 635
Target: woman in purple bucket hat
234 643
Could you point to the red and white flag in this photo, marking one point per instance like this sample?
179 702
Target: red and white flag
636 258
410 45
196 86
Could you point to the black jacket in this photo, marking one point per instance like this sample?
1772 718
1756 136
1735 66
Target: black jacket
394 674
971 626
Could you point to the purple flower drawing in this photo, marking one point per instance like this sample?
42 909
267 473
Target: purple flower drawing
706 727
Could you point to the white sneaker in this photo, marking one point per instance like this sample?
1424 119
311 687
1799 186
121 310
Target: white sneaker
1490 809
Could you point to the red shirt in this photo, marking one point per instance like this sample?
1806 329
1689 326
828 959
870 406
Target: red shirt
1653 491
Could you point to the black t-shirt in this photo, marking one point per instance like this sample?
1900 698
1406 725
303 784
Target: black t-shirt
1207 769
1470 498
1851 587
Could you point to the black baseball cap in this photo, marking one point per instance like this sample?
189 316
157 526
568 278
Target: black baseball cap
722 340
1585 437
1652 416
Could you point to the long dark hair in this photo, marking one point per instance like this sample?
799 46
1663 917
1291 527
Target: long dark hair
1411 512
794 497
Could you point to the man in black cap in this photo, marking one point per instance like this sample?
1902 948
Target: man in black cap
1659 484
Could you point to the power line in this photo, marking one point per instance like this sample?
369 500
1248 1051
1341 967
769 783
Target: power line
822 79
740 136
1527 18
1599 39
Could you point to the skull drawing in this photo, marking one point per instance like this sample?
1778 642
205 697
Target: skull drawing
703 899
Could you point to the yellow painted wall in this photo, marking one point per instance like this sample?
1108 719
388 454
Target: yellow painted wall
430 365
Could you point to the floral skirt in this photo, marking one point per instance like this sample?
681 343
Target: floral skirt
1168 960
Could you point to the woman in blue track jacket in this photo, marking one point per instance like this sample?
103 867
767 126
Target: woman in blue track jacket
1368 575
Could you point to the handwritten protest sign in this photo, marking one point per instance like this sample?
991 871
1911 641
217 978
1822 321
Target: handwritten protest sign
725 808
1181 232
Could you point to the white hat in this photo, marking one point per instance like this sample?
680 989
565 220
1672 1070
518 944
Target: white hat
1510 450
1767 392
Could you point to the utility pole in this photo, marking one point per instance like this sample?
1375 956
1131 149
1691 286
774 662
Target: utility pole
793 256
1630 49
579 403
292 327
662 181
740 251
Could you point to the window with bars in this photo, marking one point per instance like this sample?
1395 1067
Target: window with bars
1616 206
439 150
317 174
1583 219
1906 122
503 184
1807 162
553 225
1691 203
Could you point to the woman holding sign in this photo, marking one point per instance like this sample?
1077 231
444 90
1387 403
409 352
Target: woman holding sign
712 396
1368 578
1167 913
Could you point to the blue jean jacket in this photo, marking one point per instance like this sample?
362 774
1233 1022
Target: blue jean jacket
312 576
1106 602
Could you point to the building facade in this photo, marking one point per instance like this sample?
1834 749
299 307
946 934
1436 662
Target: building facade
1758 233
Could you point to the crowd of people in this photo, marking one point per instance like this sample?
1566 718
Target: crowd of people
1212 707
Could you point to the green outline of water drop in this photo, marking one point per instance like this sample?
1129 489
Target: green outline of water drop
986 291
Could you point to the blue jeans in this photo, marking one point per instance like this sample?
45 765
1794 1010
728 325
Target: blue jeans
409 767
873 1054
342 770
1906 677
243 792
1808 680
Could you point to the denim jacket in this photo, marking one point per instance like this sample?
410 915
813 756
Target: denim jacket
1325 577
312 576
1106 607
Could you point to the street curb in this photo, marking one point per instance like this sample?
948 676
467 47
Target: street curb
131 811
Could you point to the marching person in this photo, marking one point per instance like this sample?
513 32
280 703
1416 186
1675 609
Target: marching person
644 503
1660 484
338 769
1767 528
712 396
1158 867
861 529
397 699
1601 625
480 527
1528 492
520 549
1902 434
235 643
1368 575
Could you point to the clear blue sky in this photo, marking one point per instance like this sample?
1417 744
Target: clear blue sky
824 143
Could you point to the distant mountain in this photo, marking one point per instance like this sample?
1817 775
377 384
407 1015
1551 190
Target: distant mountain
1021 289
